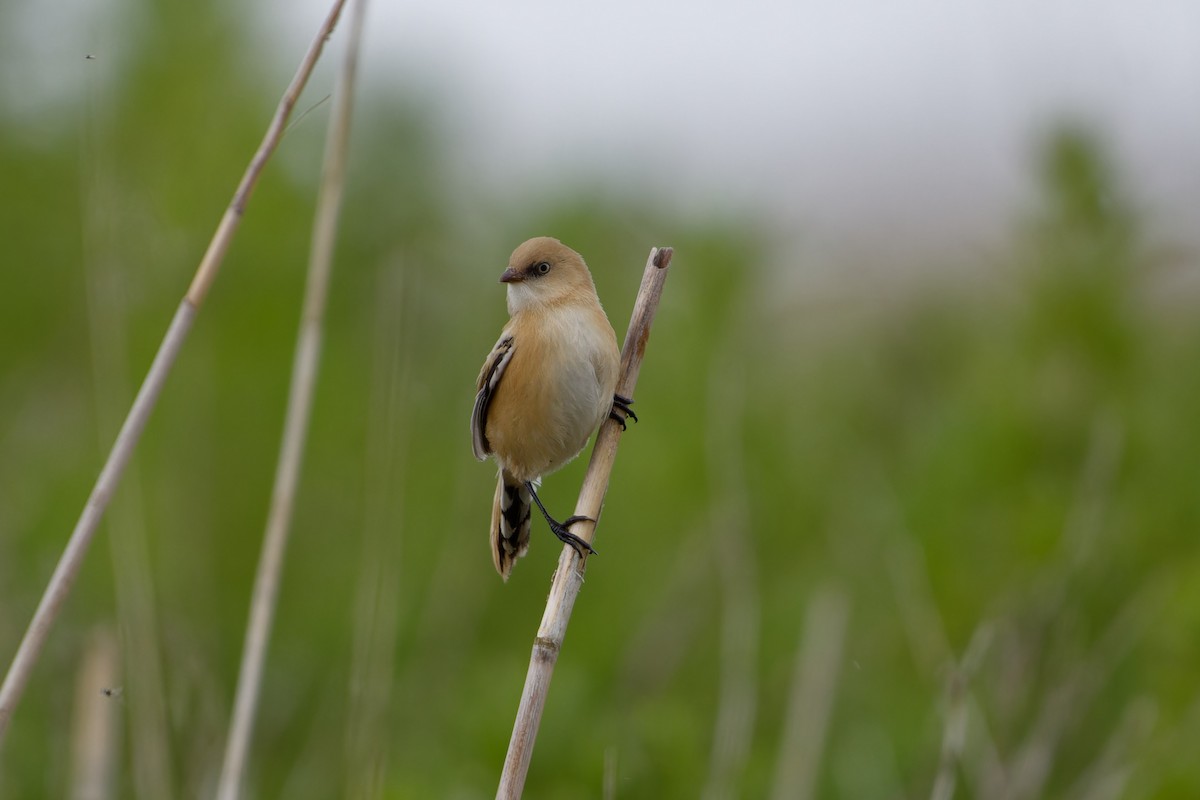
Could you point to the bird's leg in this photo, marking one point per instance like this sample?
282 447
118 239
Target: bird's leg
622 404
560 528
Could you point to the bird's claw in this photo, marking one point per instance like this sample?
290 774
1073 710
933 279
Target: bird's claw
622 404
560 530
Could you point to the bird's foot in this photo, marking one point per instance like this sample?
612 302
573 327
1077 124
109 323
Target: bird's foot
622 404
560 530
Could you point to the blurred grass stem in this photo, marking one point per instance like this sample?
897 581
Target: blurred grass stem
958 711
299 408
94 723
71 560
568 577
737 570
811 698
133 581
378 599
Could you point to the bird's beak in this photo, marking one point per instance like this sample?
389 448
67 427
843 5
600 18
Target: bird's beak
510 276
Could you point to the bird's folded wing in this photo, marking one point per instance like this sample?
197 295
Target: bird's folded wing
489 379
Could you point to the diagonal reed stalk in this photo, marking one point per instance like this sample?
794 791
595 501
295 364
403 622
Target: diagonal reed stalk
568 577
299 408
106 484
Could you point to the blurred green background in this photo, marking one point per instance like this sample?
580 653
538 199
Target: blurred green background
892 534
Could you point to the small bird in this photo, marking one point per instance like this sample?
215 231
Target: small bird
544 389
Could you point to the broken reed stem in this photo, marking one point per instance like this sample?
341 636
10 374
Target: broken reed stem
69 563
299 408
568 577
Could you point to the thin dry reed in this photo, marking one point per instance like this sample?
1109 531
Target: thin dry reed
299 408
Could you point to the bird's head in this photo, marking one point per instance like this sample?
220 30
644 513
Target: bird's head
545 272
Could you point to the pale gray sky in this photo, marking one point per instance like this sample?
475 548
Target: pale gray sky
906 119
913 115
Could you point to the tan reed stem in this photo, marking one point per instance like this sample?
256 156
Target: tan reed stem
295 431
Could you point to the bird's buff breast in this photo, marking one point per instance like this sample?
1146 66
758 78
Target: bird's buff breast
549 402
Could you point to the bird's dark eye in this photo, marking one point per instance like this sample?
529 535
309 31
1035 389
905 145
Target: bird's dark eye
542 267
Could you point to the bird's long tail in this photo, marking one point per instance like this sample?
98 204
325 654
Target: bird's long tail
510 523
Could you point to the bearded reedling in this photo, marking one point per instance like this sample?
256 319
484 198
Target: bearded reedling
544 389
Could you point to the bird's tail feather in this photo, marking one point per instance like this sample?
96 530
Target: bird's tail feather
510 523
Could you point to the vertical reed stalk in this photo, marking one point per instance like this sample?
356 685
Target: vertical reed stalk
299 407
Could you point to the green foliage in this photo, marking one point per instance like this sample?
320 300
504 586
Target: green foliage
1019 463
